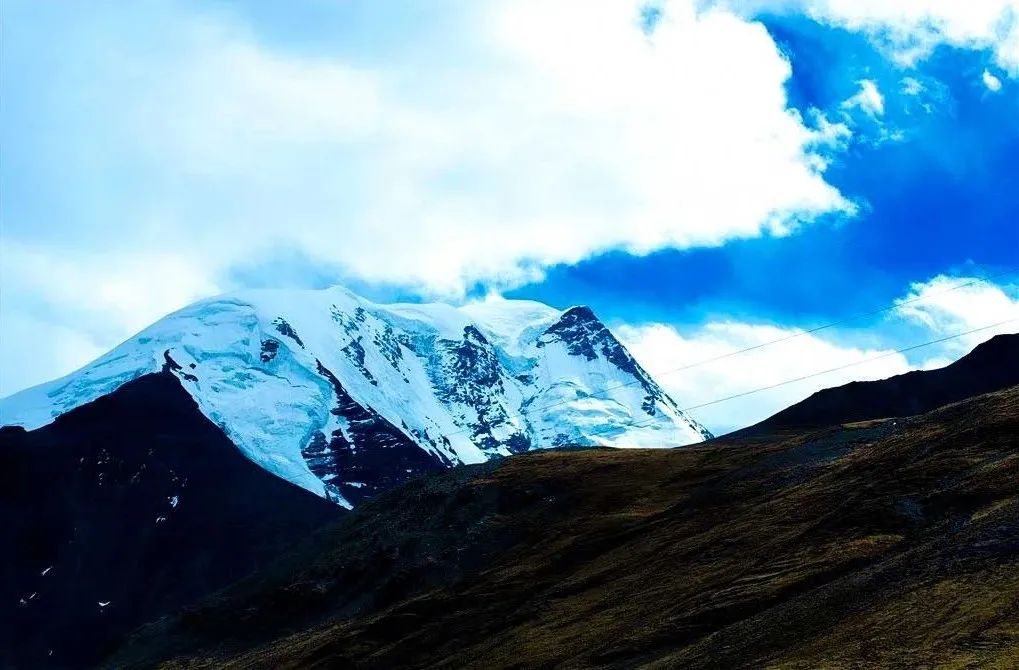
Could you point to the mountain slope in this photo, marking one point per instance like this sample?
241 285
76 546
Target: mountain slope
124 509
345 397
991 366
888 543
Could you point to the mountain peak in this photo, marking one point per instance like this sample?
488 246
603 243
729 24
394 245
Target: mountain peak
579 328
346 397
579 313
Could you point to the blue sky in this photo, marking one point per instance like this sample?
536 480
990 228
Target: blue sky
706 175
942 198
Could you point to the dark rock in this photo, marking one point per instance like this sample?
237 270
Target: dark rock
285 328
991 366
170 365
886 544
269 350
373 456
136 500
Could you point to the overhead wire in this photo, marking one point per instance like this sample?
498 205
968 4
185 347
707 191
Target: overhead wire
811 375
895 305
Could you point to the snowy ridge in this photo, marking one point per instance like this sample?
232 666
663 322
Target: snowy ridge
346 397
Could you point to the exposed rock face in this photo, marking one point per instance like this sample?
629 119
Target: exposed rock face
346 398
351 473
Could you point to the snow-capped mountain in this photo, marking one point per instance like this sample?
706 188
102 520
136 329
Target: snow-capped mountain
346 397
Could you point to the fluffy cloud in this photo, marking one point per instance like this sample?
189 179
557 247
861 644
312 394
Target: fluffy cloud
168 147
60 311
992 83
558 130
868 99
943 310
663 349
911 29
937 307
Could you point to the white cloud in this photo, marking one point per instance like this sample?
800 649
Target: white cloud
912 29
946 312
110 294
227 104
59 310
912 86
936 310
868 99
543 133
992 83
53 349
662 349
559 130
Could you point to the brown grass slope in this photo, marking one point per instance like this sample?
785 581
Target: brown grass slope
890 543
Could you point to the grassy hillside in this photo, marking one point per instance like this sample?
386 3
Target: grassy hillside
887 543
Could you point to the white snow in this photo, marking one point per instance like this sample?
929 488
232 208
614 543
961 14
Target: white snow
399 360
512 325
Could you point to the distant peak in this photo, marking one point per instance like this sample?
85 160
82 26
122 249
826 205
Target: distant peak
583 334
998 343
579 313
576 322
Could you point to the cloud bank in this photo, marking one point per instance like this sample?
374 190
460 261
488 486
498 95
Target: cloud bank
911 29
166 144
163 145
550 132
936 311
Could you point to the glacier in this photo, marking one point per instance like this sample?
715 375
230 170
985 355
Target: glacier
345 397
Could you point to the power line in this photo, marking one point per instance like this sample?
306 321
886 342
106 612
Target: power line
793 380
814 374
783 383
848 319
854 363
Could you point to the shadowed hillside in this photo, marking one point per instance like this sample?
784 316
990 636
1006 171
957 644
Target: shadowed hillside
887 543
993 365
125 509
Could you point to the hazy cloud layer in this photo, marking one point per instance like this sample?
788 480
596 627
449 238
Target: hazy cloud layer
556 131
938 312
169 145
156 151
910 30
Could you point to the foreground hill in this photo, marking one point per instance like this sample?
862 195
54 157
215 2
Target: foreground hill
991 366
886 543
126 509
346 398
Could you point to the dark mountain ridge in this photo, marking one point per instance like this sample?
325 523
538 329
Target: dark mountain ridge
886 543
136 506
125 509
346 397
991 366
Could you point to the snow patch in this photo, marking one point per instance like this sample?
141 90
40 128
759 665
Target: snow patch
463 384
